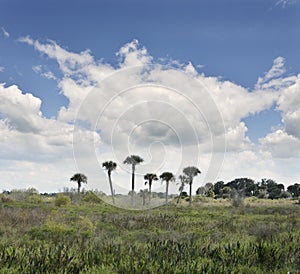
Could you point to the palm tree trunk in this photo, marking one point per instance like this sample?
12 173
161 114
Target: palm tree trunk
190 201
111 187
150 184
178 199
79 185
132 183
167 191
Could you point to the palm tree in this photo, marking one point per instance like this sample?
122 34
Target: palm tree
150 177
79 178
168 177
183 181
191 172
144 193
133 160
110 166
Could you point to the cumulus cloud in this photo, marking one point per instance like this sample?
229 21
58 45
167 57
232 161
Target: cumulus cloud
272 78
281 144
1 69
285 142
170 115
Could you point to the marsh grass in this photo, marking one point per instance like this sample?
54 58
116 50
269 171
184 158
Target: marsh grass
212 236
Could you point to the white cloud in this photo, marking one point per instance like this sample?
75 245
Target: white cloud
171 117
285 142
281 144
277 70
6 34
47 74
1 69
285 3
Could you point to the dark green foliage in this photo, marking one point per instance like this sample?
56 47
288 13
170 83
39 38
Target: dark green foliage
246 185
294 190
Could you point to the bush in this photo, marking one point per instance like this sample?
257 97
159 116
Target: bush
34 199
62 200
91 197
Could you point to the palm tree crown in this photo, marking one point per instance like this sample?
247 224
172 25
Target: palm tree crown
150 177
168 177
79 178
133 160
109 166
191 172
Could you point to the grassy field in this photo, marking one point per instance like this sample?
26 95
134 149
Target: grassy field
40 235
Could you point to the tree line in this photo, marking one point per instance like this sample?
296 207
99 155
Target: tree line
242 187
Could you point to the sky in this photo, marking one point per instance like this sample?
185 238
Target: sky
213 84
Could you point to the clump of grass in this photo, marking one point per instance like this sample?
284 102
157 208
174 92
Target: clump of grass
62 200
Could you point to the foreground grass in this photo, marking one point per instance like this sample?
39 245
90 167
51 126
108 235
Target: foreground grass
93 237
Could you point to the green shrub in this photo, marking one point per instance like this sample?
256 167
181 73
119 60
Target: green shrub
91 197
34 199
62 200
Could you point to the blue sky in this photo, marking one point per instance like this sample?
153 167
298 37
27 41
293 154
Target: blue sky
234 42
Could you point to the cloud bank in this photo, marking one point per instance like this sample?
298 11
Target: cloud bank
171 116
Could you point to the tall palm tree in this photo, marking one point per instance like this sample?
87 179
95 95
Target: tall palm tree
150 177
79 178
133 160
110 166
183 181
168 177
191 172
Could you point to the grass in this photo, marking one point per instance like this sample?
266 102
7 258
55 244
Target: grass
212 236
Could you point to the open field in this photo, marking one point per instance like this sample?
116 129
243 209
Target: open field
212 236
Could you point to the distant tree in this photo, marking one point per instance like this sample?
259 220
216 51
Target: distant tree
294 190
183 181
273 189
200 190
225 192
110 166
209 190
191 172
245 185
150 177
218 187
133 160
168 177
79 178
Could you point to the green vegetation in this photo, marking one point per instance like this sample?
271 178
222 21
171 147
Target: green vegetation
90 236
